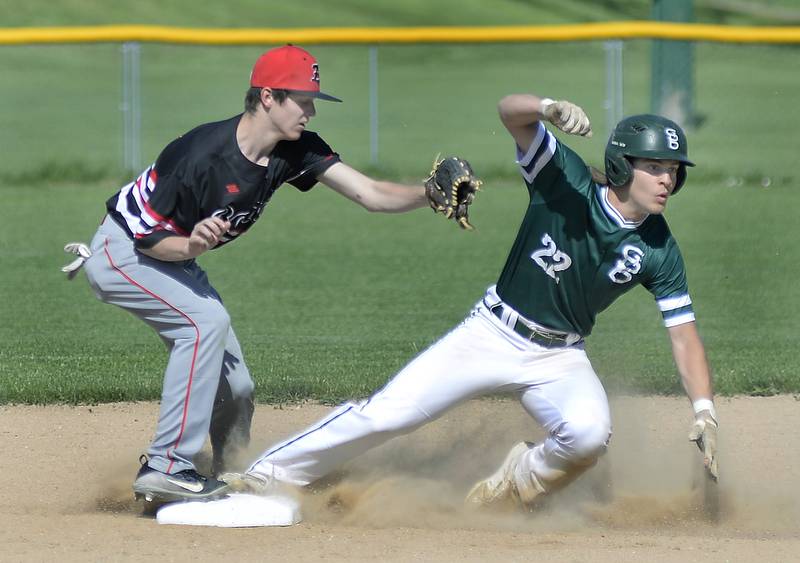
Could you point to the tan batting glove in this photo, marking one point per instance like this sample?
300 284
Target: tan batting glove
566 116
704 434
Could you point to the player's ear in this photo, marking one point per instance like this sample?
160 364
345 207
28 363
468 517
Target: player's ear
266 97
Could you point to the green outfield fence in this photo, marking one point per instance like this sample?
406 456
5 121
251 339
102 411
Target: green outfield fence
83 100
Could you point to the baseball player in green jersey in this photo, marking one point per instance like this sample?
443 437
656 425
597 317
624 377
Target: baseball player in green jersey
586 239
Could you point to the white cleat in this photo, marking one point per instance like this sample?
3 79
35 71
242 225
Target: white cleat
500 489
249 483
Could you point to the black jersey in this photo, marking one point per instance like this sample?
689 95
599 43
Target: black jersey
203 174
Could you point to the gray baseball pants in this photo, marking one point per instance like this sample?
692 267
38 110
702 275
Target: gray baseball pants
207 387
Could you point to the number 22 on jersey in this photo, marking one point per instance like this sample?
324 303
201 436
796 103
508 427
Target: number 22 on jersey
551 259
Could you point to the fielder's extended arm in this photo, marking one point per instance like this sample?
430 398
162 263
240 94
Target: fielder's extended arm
450 190
372 195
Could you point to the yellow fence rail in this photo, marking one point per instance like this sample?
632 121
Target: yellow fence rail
383 35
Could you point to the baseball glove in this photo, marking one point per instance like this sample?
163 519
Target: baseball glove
451 188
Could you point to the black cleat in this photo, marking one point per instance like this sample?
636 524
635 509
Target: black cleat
154 486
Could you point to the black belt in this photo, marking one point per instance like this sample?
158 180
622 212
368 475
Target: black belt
546 339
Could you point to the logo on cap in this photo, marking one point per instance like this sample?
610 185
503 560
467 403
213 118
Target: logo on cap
286 68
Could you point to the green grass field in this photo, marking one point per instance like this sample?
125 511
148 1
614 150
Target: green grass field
328 300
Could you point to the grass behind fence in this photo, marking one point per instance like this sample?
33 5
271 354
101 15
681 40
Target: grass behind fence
431 99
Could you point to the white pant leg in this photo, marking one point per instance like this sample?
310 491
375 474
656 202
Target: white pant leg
571 404
475 358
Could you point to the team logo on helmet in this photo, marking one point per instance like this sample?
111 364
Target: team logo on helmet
673 141
645 136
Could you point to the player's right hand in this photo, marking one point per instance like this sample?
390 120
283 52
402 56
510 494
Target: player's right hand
568 117
207 234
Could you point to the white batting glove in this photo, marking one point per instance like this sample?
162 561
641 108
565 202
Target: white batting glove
83 253
704 434
567 116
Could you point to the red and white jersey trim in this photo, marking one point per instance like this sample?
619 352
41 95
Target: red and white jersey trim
133 206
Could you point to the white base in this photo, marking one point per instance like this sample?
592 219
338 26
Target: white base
234 511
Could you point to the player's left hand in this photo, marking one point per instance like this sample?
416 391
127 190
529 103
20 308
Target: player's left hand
568 117
206 235
704 434
451 188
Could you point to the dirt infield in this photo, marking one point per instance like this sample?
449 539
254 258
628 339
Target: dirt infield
67 473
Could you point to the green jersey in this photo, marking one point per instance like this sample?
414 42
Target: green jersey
575 253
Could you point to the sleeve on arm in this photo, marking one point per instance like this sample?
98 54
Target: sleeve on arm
670 289
676 310
158 203
150 240
145 204
159 192
315 159
162 201
550 167
541 151
159 209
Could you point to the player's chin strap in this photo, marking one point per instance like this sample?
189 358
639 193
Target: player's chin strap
83 253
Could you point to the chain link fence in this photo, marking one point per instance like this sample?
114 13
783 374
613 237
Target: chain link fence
79 112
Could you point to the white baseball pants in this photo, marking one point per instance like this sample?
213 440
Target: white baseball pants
556 386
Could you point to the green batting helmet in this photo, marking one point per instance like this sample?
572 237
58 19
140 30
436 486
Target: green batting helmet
645 136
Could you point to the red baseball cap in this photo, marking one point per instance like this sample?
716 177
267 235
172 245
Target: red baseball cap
289 68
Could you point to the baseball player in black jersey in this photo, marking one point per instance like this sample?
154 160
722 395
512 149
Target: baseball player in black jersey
205 189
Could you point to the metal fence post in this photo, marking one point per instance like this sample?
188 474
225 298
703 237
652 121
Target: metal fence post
131 107
373 104
614 86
